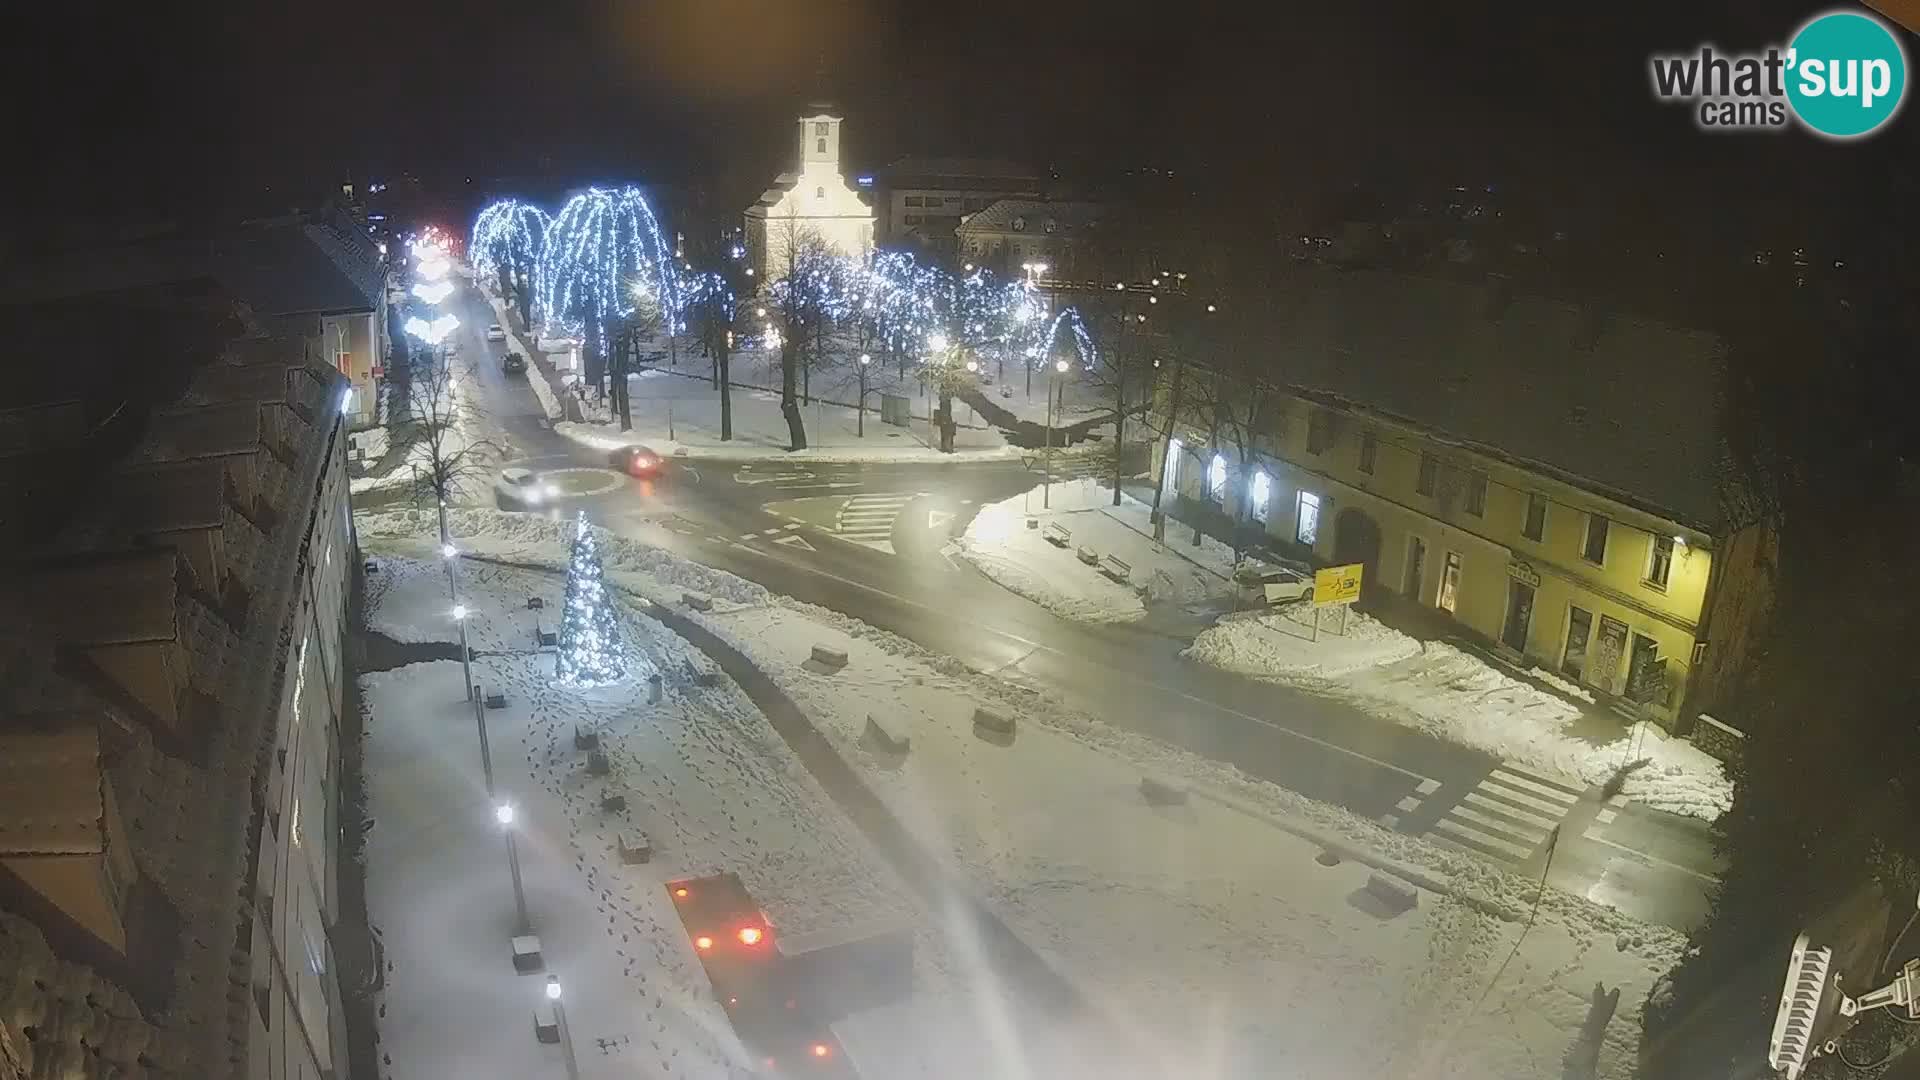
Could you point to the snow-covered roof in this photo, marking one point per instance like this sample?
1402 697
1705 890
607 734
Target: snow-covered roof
203 431
1034 216
1623 406
50 794
115 599
163 498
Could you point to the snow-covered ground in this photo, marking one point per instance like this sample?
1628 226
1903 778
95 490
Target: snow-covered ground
464 434
1023 560
1455 695
1207 932
760 429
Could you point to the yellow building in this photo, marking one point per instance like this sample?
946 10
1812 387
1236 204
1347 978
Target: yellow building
1544 477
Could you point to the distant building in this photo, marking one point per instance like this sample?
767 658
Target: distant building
172 682
1545 477
816 199
923 199
1010 233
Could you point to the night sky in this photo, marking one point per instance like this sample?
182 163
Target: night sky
147 107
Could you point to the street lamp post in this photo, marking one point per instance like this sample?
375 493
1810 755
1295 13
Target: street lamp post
1046 482
860 410
466 654
560 1020
503 813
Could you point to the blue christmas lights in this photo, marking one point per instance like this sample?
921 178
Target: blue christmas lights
603 252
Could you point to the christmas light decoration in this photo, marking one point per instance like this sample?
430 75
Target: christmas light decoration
433 292
593 652
432 332
601 247
509 235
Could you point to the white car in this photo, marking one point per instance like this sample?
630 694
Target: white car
523 489
494 333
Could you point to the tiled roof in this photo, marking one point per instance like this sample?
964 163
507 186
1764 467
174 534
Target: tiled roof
166 497
50 795
119 598
1032 216
1622 405
205 431
280 268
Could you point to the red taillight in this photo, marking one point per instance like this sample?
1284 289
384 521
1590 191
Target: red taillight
820 1050
680 893
750 935
703 943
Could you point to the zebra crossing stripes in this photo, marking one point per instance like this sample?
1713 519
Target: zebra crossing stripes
1507 816
1409 803
867 520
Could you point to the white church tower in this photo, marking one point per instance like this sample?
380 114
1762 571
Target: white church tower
816 199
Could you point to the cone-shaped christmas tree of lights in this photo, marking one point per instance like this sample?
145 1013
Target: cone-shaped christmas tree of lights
592 652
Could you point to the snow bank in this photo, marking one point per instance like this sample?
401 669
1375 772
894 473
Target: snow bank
1022 560
1455 695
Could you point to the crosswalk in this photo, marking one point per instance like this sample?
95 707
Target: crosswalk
1508 815
867 520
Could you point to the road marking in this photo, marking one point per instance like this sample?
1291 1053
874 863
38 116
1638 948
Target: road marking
1428 787
791 525
1507 815
1605 816
792 540
1407 804
769 532
1654 860
867 520
938 518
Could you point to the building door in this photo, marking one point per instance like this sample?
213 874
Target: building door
1607 651
1573 662
1416 566
1646 675
1356 539
1519 616
1449 583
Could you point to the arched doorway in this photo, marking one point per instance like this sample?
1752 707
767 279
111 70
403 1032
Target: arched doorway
1356 539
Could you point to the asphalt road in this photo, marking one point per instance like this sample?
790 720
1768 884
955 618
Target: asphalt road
867 540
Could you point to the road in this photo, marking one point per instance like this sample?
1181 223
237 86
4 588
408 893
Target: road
872 541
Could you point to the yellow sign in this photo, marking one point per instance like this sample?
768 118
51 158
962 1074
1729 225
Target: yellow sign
1337 584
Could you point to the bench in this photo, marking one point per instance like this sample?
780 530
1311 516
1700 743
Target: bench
534 603
880 740
496 701
697 601
372 567
1088 555
993 727
597 764
1116 568
546 1023
526 954
585 740
613 804
1392 893
640 850
1162 792
1057 534
829 658
547 639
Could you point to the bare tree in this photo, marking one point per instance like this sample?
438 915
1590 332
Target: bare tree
449 459
805 296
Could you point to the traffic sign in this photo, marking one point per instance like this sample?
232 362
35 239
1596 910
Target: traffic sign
1337 584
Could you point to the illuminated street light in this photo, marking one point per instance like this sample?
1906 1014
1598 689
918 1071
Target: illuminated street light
560 1020
937 342
865 359
503 813
448 551
1060 366
973 365
1210 307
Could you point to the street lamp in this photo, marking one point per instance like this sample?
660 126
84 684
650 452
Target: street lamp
1046 482
560 1020
449 553
466 654
860 411
503 813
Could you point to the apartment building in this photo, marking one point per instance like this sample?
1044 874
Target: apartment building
1545 476
922 199
171 680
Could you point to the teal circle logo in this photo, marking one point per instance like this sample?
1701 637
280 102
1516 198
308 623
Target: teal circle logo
1847 74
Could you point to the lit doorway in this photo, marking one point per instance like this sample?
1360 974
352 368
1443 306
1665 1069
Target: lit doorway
1573 663
1449 583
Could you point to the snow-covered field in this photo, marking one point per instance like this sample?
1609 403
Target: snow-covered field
1455 695
1021 559
1207 931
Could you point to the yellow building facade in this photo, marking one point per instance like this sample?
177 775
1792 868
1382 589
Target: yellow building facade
1551 574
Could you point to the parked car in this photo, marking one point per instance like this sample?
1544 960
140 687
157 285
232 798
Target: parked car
1265 583
635 461
514 364
524 489
495 333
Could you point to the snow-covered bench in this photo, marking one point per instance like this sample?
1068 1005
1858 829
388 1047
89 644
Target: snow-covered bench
1113 566
1057 534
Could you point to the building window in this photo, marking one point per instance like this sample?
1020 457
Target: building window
1306 527
953 200
1659 560
1535 526
1369 449
1573 661
1429 474
1477 494
820 128
1170 468
1595 549
819 146
1318 437
820 193
916 200
913 219
1416 569
1449 583
1261 496
1217 479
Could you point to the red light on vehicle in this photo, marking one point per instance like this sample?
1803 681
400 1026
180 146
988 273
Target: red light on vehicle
750 935
703 943
680 893
820 1050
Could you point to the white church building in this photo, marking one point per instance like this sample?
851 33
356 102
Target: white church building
816 199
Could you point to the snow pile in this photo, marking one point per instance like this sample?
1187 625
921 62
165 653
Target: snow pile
1022 560
1454 695
1284 641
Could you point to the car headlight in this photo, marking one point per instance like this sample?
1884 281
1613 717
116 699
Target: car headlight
534 495
550 491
